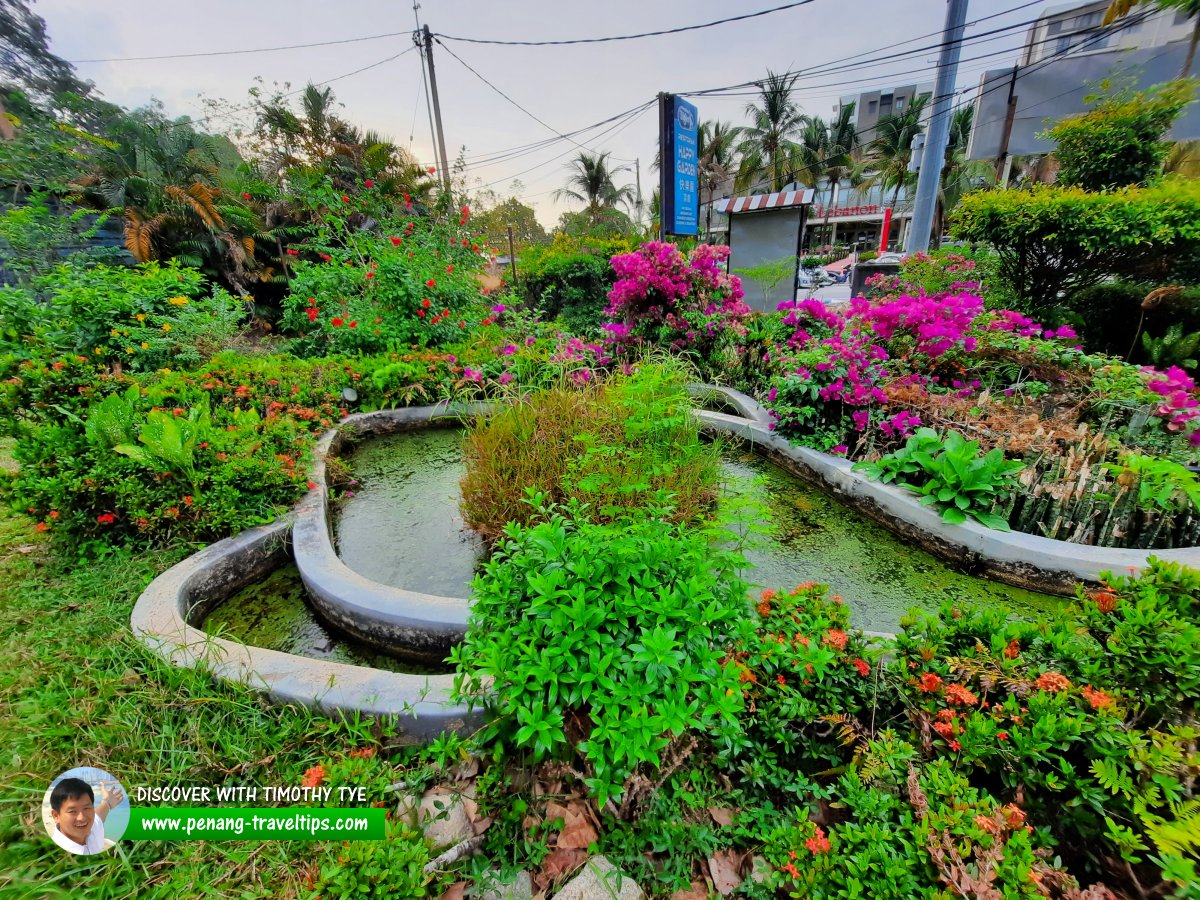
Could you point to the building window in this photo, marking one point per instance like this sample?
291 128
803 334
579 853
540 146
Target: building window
873 106
1055 27
899 104
1181 17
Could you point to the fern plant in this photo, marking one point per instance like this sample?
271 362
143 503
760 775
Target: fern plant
1172 349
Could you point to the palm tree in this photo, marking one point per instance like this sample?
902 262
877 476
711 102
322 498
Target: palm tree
715 164
591 183
1118 9
1183 160
766 144
826 149
888 155
959 174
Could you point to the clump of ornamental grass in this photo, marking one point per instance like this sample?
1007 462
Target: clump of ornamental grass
611 445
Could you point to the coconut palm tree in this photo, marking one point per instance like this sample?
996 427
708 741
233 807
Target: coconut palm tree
591 183
1183 160
1118 9
766 144
716 161
888 155
826 150
959 174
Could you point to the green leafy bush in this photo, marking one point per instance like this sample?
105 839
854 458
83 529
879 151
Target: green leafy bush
604 644
569 286
1119 140
141 318
950 473
1053 241
1106 315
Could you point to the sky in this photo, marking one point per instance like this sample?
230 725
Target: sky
568 88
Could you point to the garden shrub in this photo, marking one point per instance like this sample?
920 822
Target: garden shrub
1054 241
1108 316
1119 140
369 293
613 445
603 644
571 287
663 298
139 318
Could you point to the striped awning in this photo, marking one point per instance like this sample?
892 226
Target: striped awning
763 202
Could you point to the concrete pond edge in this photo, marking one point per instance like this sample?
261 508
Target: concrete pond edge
1023 560
183 594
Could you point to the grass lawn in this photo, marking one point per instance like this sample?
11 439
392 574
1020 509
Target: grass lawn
76 689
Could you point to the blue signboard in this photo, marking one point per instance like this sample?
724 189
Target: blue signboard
681 180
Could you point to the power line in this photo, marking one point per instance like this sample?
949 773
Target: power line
535 118
369 37
628 37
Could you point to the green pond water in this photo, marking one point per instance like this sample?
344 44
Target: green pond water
403 528
274 614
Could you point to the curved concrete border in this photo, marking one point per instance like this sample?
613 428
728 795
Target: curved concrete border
1025 560
408 623
743 403
183 594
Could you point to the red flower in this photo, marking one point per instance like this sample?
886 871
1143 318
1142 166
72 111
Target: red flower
406 197
1106 601
430 283
40 526
462 324
106 518
955 746
54 513
364 753
819 843
1098 699
246 195
314 776
421 313
450 270
311 485
325 256
863 669
312 314
336 321
370 274
1002 735
466 210
781 679
187 499
1012 650
431 170
835 638
368 183
345 199
354 324
930 682
1052 682
396 242
425 302
445 313
957 695
292 252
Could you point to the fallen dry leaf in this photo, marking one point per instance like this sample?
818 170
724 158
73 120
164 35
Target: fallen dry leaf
456 891
560 861
723 867
578 832
698 891
721 815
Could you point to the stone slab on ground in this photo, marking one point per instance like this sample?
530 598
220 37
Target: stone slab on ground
444 817
519 888
600 880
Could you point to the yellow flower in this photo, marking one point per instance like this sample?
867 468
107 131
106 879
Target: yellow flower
145 346
99 350
141 317
128 349
178 301
115 333
166 371
166 326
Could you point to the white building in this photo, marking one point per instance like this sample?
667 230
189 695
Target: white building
1064 30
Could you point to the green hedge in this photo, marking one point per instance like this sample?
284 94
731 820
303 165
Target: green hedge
572 287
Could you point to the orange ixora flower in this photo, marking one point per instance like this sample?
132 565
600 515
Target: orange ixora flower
1052 682
836 638
313 777
1012 650
1106 601
1098 699
957 695
930 682
818 843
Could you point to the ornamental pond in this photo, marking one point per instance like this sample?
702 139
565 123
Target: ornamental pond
400 525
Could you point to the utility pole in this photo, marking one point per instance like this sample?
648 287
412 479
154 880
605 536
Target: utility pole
637 168
512 256
437 107
420 43
930 178
1004 160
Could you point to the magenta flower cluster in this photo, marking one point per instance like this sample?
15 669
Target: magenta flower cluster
660 294
1023 326
938 323
1179 405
